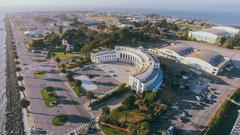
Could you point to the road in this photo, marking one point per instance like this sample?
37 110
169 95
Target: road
69 104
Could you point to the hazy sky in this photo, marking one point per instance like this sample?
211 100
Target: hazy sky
140 4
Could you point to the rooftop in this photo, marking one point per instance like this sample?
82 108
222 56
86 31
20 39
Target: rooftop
216 31
210 57
180 49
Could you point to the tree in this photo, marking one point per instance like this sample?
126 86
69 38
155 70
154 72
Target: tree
20 78
101 26
22 89
38 44
129 104
69 76
16 57
58 60
105 112
18 69
24 103
53 54
220 40
78 83
17 62
231 42
63 66
90 96
60 29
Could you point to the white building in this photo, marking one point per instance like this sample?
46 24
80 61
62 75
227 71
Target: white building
209 35
150 74
31 33
232 29
68 46
208 61
173 52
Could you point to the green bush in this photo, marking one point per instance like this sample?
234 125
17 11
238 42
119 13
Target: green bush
63 70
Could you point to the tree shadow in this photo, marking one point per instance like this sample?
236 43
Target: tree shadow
69 102
77 119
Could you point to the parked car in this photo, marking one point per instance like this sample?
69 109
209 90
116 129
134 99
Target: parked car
170 129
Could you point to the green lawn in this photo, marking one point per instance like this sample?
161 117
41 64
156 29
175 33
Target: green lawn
50 95
39 73
112 131
69 55
60 120
75 88
133 116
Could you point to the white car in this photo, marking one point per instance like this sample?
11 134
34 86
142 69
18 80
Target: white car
170 130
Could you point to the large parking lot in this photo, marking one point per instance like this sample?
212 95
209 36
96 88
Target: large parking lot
189 115
104 76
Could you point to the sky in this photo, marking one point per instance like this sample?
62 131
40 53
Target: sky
142 4
117 3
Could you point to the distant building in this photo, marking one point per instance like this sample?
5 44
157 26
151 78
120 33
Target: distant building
31 33
207 61
68 46
66 24
232 29
209 35
127 26
150 74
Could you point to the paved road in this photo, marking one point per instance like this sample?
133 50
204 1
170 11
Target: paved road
69 104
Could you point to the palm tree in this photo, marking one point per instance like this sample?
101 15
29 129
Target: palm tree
18 69
24 103
105 112
58 60
20 78
17 62
22 89
90 95
16 57
53 54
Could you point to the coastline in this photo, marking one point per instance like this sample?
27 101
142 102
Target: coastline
13 113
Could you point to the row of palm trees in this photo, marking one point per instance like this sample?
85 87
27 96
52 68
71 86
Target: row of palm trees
23 103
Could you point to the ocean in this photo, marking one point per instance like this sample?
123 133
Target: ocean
220 17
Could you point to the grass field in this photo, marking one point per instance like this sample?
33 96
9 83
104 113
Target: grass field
111 131
133 116
39 73
75 89
62 56
50 95
60 120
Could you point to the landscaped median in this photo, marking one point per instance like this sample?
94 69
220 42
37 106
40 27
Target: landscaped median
221 113
39 73
76 89
60 120
50 97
